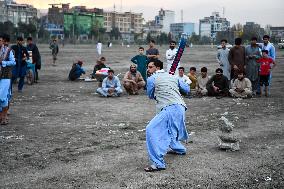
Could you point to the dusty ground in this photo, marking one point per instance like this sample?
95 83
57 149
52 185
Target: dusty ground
62 135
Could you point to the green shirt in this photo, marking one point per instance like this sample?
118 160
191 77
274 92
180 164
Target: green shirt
141 61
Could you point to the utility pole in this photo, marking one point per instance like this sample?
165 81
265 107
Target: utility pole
181 13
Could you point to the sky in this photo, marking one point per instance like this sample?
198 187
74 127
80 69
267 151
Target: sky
263 12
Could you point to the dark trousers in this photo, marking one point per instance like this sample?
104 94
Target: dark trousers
21 82
223 92
36 74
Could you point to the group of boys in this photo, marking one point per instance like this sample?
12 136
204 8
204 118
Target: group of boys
254 61
13 65
243 71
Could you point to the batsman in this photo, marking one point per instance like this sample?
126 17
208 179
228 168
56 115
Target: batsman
167 128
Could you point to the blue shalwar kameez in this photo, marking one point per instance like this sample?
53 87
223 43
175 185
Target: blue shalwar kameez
20 69
107 84
5 83
167 128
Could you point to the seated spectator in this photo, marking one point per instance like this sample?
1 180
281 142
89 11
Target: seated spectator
99 66
76 71
111 86
192 76
218 85
133 81
201 82
241 87
183 77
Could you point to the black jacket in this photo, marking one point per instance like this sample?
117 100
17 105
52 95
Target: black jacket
19 52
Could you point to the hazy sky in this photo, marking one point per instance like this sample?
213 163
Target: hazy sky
236 11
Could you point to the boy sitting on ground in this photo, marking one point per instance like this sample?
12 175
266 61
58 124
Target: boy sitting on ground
201 82
76 71
192 76
241 87
218 85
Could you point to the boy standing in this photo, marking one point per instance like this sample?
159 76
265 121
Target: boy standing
141 61
99 48
21 55
265 69
170 55
7 61
167 128
36 58
54 50
222 59
237 58
152 53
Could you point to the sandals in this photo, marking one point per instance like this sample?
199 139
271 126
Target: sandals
153 169
4 121
176 153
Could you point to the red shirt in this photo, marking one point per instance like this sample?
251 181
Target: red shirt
265 65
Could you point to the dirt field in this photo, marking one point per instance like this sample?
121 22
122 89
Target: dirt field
62 135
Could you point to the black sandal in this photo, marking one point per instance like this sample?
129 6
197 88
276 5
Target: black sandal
153 169
176 153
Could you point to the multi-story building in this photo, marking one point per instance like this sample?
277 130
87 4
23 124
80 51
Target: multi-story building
178 28
209 26
77 21
253 29
165 19
161 23
277 32
128 23
54 23
11 11
152 28
82 22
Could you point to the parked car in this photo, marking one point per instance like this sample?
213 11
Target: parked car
281 43
229 46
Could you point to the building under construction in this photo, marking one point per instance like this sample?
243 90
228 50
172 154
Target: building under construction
82 22
78 21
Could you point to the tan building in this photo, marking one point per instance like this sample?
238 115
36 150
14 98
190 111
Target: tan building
128 23
9 10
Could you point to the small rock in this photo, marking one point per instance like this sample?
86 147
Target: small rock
229 146
228 138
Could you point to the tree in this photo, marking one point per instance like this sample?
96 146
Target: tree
31 29
162 38
170 36
115 33
27 29
194 39
205 40
44 34
8 28
149 37
228 35
97 30
237 29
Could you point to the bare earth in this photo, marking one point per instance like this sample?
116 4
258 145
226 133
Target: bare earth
62 135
